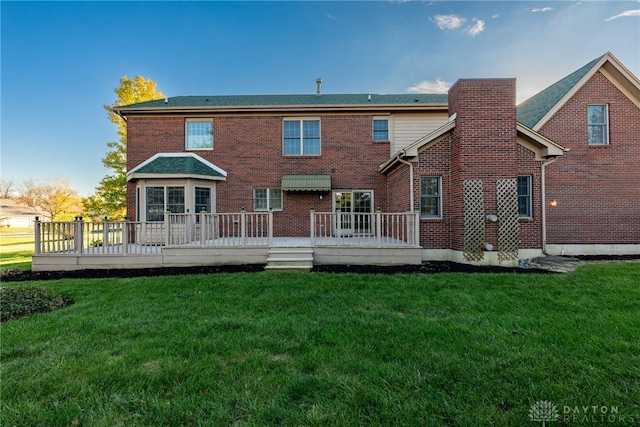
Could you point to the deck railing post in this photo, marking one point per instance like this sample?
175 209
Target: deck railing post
379 227
338 215
312 225
270 228
37 237
243 227
203 229
125 237
416 220
77 235
167 227
105 236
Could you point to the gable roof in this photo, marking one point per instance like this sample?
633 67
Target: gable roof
177 165
535 111
287 102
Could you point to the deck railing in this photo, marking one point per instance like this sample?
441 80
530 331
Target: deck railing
139 237
365 229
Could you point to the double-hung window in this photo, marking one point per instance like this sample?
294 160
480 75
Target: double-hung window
199 134
380 129
162 199
598 122
524 196
430 197
301 137
265 199
202 199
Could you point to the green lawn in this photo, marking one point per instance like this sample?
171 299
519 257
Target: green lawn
327 349
16 250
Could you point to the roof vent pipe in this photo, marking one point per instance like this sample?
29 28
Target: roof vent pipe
319 86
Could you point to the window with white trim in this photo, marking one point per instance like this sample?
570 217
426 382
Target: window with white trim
199 134
301 137
202 200
430 197
380 129
598 123
265 199
162 199
524 197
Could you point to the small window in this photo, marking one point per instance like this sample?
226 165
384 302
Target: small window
301 137
199 134
265 199
524 196
381 129
598 119
430 197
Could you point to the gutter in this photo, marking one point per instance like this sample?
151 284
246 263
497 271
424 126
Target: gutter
411 185
543 200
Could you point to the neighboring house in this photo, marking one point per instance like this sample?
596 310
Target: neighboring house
15 216
493 182
483 180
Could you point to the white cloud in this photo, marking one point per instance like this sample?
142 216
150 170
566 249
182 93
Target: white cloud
448 22
633 12
425 86
476 29
542 9
328 15
496 16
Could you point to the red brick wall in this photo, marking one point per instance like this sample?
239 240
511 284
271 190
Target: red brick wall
531 228
597 188
483 146
249 148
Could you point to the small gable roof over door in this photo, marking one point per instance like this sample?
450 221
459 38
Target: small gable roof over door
177 165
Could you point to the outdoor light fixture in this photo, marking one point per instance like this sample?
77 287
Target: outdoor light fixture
553 203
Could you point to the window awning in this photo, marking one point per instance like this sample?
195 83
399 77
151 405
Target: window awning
306 183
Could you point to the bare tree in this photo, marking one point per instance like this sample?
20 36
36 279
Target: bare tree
7 188
54 197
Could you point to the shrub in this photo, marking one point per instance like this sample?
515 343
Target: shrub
26 300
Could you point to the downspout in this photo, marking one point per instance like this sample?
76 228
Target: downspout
411 199
543 200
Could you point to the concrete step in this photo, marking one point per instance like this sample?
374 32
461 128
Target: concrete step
290 259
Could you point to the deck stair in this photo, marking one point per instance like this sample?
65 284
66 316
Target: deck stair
293 258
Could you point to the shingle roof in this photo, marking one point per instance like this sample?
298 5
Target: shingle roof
531 111
178 164
290 100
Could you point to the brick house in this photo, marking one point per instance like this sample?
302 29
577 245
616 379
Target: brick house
493 182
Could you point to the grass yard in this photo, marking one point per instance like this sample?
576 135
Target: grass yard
272 348
16 250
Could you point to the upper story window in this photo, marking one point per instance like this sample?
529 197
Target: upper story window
430 197
267 199
199 134
380 129
301 137
598 119
524 196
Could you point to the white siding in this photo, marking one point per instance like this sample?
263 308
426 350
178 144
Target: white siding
408 128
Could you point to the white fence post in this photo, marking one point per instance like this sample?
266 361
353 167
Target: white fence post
312 225
243 227
37 237
77 235
379 227
125 236
167 227
270 228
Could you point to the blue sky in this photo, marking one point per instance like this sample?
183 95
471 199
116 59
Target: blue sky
61 61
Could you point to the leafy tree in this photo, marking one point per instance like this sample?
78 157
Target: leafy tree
54 197
110 198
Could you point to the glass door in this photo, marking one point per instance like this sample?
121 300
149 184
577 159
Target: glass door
353 212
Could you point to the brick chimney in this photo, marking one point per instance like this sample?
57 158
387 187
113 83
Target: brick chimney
484 146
